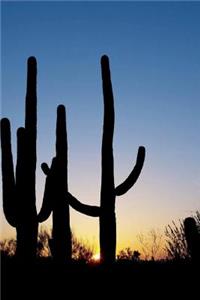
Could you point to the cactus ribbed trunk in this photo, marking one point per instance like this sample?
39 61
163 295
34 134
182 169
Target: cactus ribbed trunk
19 199
55 195
25 172
61 233
106 211
108 190
107 218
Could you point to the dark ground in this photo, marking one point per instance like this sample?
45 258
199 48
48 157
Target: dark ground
125 280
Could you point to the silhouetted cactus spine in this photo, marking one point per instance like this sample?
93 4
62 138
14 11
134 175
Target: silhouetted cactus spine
193 238
19 190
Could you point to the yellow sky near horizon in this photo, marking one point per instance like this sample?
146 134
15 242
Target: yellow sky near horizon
135 222
133 213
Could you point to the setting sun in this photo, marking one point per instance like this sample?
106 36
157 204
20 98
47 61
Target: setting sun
96 257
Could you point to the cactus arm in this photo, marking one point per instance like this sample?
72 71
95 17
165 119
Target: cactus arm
89 210
48 198
132 178
9 204
45 168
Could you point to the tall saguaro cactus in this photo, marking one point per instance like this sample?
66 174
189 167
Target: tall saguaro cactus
108 190
56 197
55 193
19 199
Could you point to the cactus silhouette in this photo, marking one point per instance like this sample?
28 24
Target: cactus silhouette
19 188
56 199
193 238
19 200
56 189
108 189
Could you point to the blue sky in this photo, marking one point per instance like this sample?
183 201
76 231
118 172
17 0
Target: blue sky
154 51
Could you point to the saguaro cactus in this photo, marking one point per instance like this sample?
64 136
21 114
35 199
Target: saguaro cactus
56 199
19 200
108 189
55 193
193 238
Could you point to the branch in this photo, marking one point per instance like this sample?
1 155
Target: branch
132 178
49 193
8 179
89 210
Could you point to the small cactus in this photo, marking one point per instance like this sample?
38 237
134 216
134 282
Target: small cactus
193 238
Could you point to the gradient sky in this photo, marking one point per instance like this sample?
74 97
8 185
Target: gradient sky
154 51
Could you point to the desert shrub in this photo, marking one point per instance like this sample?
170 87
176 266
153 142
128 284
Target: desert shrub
43 249
8 247
197 219
176 245
128 254
151 245
80 250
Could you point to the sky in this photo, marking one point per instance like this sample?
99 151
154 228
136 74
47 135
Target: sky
154 51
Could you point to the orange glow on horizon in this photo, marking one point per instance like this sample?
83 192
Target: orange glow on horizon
96 257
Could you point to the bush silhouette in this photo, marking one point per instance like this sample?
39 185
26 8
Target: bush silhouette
176 246
128 254
81 251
